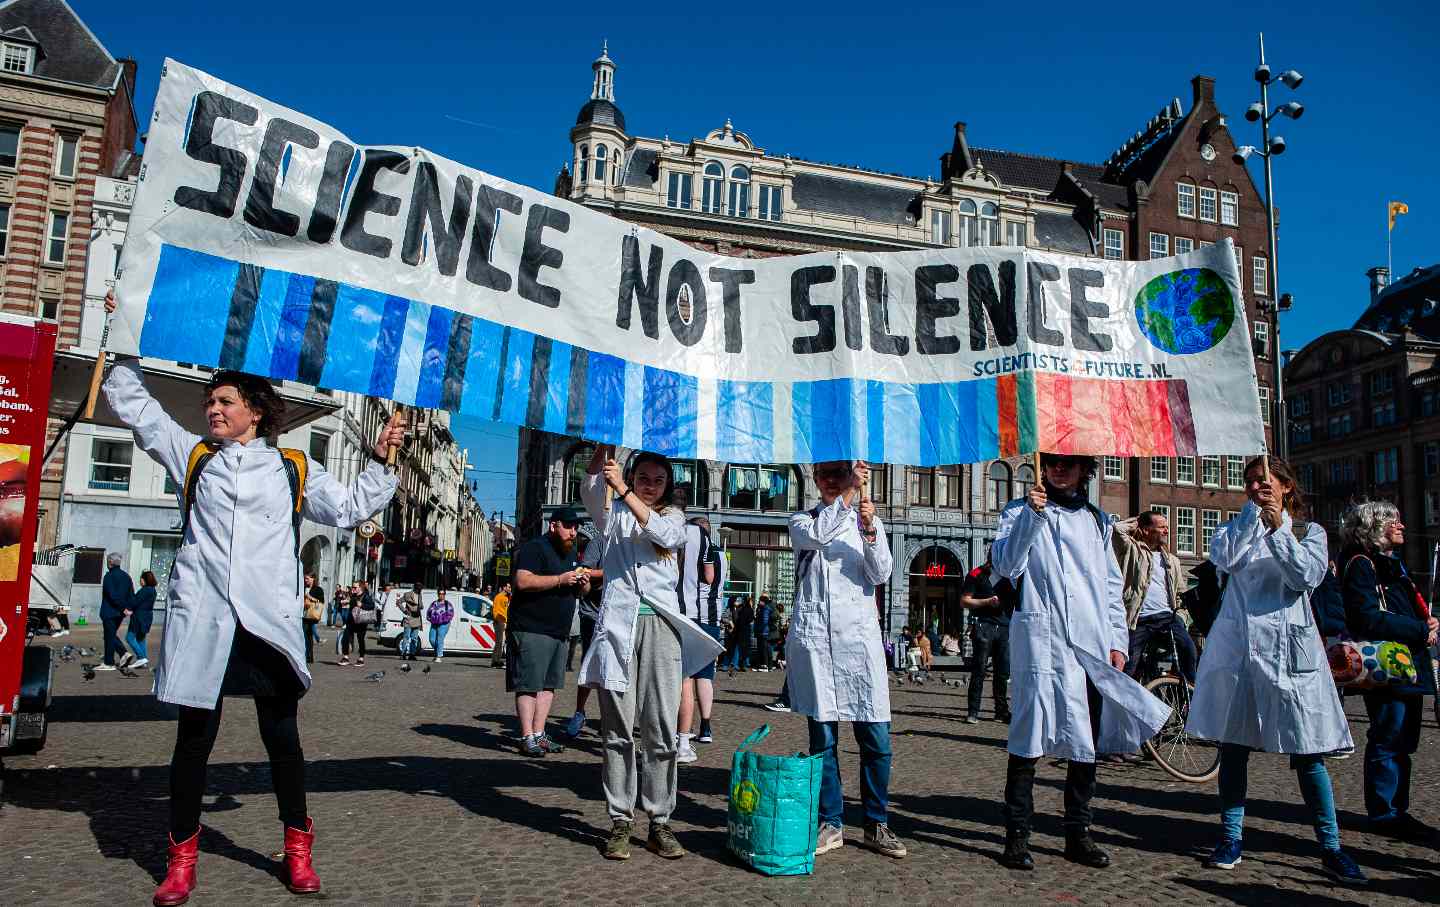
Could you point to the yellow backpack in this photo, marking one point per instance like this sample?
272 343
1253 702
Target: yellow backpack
296 469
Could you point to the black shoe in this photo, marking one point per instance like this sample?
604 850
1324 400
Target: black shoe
1003 717
1017 852
1405 827
1080 848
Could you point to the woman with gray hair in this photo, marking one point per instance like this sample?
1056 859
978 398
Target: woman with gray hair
1382 603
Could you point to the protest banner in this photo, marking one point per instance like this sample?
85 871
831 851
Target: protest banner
266 241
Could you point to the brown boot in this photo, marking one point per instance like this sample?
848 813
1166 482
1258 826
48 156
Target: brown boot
180 873
300 873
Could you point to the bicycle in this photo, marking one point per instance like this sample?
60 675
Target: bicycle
1182 756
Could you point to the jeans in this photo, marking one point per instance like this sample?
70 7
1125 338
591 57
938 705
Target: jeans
311 636
137 645
195 738
113 647
1393 736
991 640
437 638
409 641
1314 787
873 738
1162 625
1079 782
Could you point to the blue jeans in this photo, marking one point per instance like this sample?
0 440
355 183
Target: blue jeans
437 638
410 640
873 738
1394 734
1314 787
137 645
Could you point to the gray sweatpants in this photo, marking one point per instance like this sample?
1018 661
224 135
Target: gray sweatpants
652 700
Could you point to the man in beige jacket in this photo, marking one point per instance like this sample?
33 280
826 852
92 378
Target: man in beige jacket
1154 580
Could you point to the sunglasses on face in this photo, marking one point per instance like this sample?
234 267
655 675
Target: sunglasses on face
1064 463
833 474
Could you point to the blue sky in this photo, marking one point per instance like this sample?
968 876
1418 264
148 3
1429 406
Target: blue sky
497 87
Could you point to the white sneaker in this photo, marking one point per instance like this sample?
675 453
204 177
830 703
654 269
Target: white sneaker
104 667
126 659
686 754
142 663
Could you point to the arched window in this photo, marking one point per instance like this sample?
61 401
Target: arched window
997 486
989 225
947 486
739 203
1024 477
615 166
583 167
969 231
600 163
714 188
575 470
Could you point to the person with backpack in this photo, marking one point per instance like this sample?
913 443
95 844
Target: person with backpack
1068 644
411 622
1383 604
440 613
233 624
1264 682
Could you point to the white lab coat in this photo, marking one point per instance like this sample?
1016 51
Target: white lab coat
1264 681
633 568
834 659
237 560
1071 616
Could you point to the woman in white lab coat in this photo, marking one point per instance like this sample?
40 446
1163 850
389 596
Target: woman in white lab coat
233 619
643 647
1068 642
834 657
1264 681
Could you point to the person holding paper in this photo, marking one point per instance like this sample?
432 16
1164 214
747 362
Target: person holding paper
1068 643
835 661
643 646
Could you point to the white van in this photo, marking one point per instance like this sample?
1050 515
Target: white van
471 630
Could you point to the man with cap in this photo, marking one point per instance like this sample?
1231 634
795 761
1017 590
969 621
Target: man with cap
547 583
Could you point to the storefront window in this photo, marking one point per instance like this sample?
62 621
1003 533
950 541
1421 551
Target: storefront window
936 576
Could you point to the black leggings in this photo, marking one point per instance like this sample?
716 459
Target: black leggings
354 632
194 740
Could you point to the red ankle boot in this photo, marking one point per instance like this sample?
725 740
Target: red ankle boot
180 874
303 879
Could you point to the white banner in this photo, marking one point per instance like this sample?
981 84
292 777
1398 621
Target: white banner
266 241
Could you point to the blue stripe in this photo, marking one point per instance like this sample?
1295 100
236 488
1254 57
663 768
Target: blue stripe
412 352
942 406
269 303
387 346
830 425
432 362
516 382
800 422
633 435
671 400
189 306
744 415
605 398
987 420
294 315
354 332
974 398
478 398
902 418
557 387
875 421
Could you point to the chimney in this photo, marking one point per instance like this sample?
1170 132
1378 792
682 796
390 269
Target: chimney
1379 280
1204 87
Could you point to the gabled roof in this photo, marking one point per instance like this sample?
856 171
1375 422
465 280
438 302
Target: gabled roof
1033 171
70 52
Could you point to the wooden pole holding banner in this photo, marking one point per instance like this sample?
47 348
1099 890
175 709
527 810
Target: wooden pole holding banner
393 453
99 373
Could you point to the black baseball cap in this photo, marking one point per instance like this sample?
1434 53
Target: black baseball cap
566 515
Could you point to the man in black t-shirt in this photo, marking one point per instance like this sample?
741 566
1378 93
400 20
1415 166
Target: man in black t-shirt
547 583
991 603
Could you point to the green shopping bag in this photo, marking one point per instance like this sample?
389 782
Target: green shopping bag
773 805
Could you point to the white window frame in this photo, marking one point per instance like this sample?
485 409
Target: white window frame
1184 465
679 190
1235 472
1260 274
72 141
51 238
19 141
1209 465
1209 522
48 309
4 228
737 193
989 224
1015 233
1264 405
1185 200
1159 245
17 58
1208 200
1184 523
1184 244
1114 469
1114 251
1160 476
712 187
127 465
1163 510
940 227
772 202
1230 208
1262 338
600 161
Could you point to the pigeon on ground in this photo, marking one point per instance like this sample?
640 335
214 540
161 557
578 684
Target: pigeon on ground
405 667
376 677
87 653
89 672
67 652
425 670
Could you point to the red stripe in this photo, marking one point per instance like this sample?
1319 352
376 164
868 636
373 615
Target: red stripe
1005 392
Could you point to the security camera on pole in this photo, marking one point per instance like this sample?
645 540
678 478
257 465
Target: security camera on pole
1269 148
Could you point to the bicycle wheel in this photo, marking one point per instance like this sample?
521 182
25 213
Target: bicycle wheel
1180 755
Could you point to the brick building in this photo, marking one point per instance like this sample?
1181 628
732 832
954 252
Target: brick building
1364 408
67 117
725 193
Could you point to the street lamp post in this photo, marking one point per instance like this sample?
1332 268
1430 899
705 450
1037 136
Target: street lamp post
1269 148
